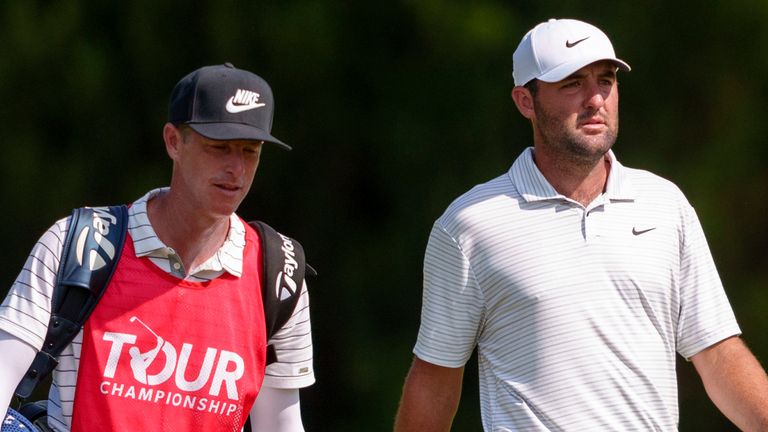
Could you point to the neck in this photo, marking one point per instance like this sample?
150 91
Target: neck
581 182
194 237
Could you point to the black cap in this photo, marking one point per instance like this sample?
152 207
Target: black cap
224 103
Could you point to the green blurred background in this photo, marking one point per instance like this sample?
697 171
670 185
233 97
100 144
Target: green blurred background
393 109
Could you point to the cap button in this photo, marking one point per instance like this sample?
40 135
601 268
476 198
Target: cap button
229 65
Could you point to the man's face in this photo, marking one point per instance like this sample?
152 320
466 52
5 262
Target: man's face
215 175
578 118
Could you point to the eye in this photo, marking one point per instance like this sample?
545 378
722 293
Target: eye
575 84
606 82
253 147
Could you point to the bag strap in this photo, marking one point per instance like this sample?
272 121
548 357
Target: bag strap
89 256
284 270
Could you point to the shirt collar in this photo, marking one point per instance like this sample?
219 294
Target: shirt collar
533 186
228 258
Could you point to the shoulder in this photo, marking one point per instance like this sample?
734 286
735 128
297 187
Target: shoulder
51 242
480 197
480 203
25 311
650 186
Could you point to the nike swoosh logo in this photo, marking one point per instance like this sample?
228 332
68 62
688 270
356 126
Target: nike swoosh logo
234 109
573 44
636 232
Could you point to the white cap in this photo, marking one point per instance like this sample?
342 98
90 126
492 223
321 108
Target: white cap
557 48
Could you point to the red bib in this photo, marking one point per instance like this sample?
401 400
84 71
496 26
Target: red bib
162 354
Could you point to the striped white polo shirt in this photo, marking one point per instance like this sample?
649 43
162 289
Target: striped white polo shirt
26 309
577 313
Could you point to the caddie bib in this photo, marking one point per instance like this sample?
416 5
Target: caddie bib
163 354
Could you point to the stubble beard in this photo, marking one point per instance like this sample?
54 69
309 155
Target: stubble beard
568 146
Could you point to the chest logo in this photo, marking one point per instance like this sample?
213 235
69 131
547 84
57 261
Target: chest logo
637 232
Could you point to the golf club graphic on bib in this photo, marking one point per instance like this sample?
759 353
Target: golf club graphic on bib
140 362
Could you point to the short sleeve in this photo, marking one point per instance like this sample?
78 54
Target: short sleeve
706 316
452 303
293 347
26 310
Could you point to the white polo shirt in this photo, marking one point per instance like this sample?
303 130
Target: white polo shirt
26 309
577 313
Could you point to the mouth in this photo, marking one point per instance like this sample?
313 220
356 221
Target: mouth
592 124
593 120
227 187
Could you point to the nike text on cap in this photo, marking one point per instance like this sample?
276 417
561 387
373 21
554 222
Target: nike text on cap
224 103
555 49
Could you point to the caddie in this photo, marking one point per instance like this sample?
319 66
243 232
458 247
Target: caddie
177 342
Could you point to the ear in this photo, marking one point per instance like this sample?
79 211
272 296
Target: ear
524 101
172 137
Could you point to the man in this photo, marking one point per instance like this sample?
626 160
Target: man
576 278
177 341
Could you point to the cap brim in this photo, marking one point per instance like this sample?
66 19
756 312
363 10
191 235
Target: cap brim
235 131
566 69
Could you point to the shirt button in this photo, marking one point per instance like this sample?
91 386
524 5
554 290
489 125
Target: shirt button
176 266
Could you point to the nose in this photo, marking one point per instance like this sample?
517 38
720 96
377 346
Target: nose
593 96
236 162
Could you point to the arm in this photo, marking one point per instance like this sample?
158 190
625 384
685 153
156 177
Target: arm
276 410
735 382
430 398
277 407
16 358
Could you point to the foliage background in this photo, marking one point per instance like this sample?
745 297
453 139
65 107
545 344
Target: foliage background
393 110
